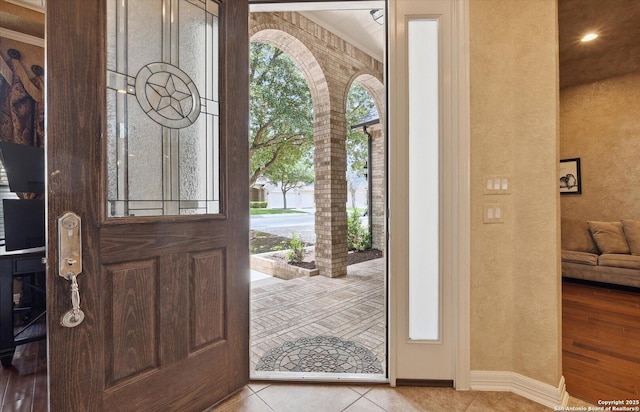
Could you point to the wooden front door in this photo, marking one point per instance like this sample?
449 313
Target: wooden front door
147 117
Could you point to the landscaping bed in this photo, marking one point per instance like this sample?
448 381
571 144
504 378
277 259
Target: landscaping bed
269 256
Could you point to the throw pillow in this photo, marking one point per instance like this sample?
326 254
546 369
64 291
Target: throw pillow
609 237
576 236
631 230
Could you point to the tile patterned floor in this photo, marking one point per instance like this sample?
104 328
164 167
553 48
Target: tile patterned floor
278 397
351 308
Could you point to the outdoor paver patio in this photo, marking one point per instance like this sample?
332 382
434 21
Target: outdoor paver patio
350 307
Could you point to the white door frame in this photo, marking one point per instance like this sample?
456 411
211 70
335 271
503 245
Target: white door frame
459 231
456 170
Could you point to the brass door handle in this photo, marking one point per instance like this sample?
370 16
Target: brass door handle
70 264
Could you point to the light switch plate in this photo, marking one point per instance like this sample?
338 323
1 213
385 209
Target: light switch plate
493 213
496 184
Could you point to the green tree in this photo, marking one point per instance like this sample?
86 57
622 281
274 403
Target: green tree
291 175
281 111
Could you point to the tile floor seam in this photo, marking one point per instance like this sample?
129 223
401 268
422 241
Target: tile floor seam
475 395
265 402
352 403
266 385
373 401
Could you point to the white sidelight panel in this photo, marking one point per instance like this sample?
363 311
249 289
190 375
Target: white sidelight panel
424 180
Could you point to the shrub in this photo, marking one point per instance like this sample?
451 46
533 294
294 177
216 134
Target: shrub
296 246
358 237
257 205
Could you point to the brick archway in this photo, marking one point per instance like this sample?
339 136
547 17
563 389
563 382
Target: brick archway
329 64
304 59
374 86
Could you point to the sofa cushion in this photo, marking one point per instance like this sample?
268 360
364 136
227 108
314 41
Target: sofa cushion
609 237
631 230
619 261
576 236
604 274
579 257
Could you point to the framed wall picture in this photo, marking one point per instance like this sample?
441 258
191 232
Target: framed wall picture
570 183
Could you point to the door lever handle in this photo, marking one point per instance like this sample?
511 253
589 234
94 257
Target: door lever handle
70 264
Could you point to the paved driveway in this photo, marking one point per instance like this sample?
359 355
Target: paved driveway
302 224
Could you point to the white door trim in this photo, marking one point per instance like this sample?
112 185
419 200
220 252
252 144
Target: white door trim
462 216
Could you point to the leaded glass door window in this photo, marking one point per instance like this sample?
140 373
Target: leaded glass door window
162 107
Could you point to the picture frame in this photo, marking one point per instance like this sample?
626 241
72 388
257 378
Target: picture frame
570 181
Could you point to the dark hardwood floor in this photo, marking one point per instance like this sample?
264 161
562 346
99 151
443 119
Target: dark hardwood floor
23 387
601 342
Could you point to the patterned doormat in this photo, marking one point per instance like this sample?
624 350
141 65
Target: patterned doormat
320 354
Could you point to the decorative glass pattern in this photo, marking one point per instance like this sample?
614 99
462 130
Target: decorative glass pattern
167 95
162 107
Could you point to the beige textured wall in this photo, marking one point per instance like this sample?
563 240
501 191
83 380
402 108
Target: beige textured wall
600 125
515 280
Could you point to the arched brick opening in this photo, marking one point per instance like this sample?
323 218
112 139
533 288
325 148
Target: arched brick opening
319 89
329 64
374 86
306 62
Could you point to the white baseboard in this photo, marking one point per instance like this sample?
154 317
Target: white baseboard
539 392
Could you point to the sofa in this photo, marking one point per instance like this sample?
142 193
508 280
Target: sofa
607 252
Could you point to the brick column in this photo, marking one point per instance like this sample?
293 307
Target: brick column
377 176
331 194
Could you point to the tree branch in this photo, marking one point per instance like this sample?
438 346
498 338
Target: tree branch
256 174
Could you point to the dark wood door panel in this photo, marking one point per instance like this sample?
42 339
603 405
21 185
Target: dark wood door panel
131 320
119 242
152 305
187 386
207 300
166 300
195 286
173 308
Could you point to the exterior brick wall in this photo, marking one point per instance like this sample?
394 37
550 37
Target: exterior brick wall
330 65
378 201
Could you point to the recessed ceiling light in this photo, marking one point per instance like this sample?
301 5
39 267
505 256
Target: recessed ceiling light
589 37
